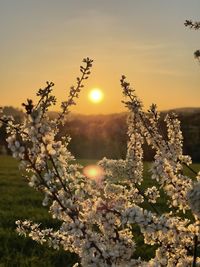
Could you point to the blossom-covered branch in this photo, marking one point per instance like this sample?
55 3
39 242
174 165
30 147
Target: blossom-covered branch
98 218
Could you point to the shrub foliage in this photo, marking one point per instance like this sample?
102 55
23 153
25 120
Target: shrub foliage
98 215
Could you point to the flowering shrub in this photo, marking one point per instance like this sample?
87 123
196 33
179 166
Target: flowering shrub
98 216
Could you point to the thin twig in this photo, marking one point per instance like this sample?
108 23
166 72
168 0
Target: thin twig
195 251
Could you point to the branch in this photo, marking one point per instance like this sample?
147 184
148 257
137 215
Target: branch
195 251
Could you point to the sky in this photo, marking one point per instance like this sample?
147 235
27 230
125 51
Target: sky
46 40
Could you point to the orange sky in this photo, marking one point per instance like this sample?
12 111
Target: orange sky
46 40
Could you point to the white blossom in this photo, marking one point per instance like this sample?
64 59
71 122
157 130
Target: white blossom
98 219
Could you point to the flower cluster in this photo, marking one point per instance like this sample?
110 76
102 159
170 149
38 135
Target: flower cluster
152 194
97 219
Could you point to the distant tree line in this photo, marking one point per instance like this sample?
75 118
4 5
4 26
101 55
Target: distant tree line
97 136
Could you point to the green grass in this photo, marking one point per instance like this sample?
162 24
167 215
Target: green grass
19 201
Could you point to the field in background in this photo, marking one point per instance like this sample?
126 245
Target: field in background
19 201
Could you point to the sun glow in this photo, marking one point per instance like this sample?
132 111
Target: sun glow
94 172
96 95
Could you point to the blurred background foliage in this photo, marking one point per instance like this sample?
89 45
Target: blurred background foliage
96 136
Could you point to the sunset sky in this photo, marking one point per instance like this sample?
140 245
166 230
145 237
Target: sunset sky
45 40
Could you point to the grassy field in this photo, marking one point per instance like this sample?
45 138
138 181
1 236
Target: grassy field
19 201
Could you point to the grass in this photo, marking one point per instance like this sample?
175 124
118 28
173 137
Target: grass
19 201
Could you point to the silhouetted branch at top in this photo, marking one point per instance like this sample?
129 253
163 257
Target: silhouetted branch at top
192 24
196 26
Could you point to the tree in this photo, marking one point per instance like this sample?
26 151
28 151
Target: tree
99 216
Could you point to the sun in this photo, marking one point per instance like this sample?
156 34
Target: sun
96 95
94 172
